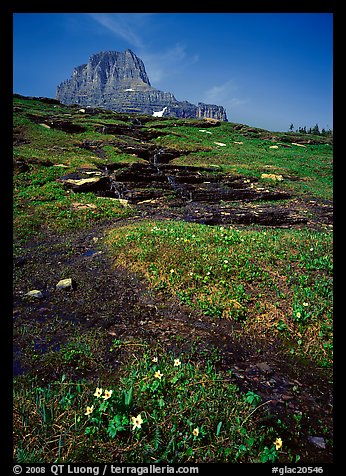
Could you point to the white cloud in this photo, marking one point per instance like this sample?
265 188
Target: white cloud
121 24
166 63
224 94
234 102
220 93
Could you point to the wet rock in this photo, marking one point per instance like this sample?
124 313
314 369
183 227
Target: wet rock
157 181
85 181
134 131
51 122
83 184
317 441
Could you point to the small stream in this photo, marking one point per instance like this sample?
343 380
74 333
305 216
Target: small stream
199 194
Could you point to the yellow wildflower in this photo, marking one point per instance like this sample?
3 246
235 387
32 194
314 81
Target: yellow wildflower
155 360
158 374
89 410
108 394
98 392
278 443
195 432
136 421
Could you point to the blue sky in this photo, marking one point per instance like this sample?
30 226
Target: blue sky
267 69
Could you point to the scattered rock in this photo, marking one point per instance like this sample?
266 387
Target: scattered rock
83 206
272 177
286 146
65 284
298 145
264 367
123 202
35 293
151 201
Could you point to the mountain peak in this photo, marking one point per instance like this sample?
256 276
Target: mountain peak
118 81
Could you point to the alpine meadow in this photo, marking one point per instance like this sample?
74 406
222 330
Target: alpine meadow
173 289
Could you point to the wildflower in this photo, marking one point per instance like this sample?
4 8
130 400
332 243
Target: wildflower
177 362
108 394
195 432
155 360
298 315
136 421
305 304
89 410
225 261
278 443
98 392
171 271
158 374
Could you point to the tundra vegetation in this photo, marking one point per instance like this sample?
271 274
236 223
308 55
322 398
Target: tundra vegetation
177 341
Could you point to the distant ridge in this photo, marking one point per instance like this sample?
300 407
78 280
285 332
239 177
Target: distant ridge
118 81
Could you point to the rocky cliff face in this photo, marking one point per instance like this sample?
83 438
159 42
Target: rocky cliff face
118 81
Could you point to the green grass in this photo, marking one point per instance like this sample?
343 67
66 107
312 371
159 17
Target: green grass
275 280
41 203
163 408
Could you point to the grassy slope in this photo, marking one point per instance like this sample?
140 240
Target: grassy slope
273 281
